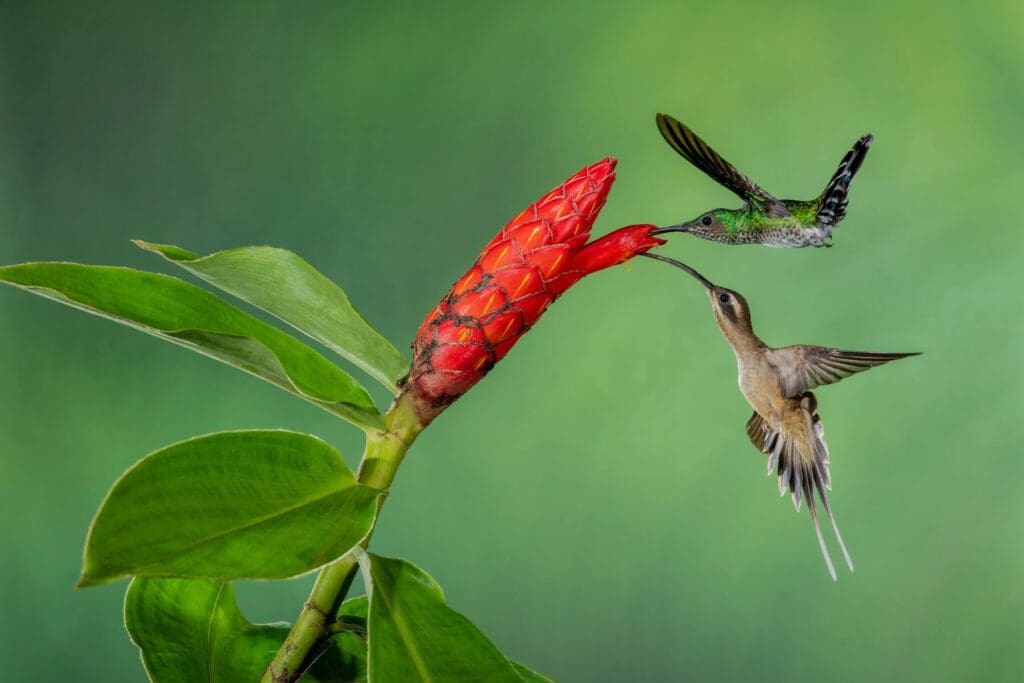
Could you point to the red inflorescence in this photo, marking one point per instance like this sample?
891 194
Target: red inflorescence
533 260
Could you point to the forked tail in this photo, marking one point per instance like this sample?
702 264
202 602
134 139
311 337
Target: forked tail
832 202
802 475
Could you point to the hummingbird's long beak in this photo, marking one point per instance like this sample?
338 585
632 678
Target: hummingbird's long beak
682 227
700 278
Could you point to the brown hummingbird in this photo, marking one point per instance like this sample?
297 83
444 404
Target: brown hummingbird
777 383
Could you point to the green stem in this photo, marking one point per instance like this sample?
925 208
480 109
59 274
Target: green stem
383 456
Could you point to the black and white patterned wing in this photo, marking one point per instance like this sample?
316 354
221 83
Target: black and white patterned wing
699 153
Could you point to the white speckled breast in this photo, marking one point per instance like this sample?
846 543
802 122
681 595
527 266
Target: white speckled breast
786 238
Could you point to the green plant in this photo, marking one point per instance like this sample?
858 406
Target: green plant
189 519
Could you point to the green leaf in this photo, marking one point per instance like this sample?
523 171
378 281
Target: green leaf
355 607
351 616
192 317
284 285
336 653
341 659
191 631
415 636
246 504
529 675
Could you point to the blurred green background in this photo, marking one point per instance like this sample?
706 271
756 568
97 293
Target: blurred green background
594 505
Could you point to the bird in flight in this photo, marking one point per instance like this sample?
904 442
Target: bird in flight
762 219
785 424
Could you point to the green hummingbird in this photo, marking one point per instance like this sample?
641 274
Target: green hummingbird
763 219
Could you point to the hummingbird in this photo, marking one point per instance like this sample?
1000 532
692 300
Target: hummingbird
762 219
776 382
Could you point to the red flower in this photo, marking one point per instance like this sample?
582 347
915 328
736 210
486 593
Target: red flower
530 263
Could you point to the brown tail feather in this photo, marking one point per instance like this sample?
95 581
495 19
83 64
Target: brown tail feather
802 477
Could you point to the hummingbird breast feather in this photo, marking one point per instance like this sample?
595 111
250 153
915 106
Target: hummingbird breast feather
795 445
791 235
796 237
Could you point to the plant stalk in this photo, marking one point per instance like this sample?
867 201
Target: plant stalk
381 459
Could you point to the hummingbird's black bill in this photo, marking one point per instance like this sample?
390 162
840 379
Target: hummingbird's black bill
700 278
682 227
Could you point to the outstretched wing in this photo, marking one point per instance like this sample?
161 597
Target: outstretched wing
805 367
698 153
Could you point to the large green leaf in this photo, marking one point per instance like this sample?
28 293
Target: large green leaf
191 631
415 636
529 675
246 504
192 317
284 285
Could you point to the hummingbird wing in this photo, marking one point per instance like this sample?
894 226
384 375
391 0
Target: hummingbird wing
700 154
805 367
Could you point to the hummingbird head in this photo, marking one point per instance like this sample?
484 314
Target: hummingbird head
731 310
713 225
731 313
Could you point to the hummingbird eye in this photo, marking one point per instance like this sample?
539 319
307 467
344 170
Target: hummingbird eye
723 298
706 220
